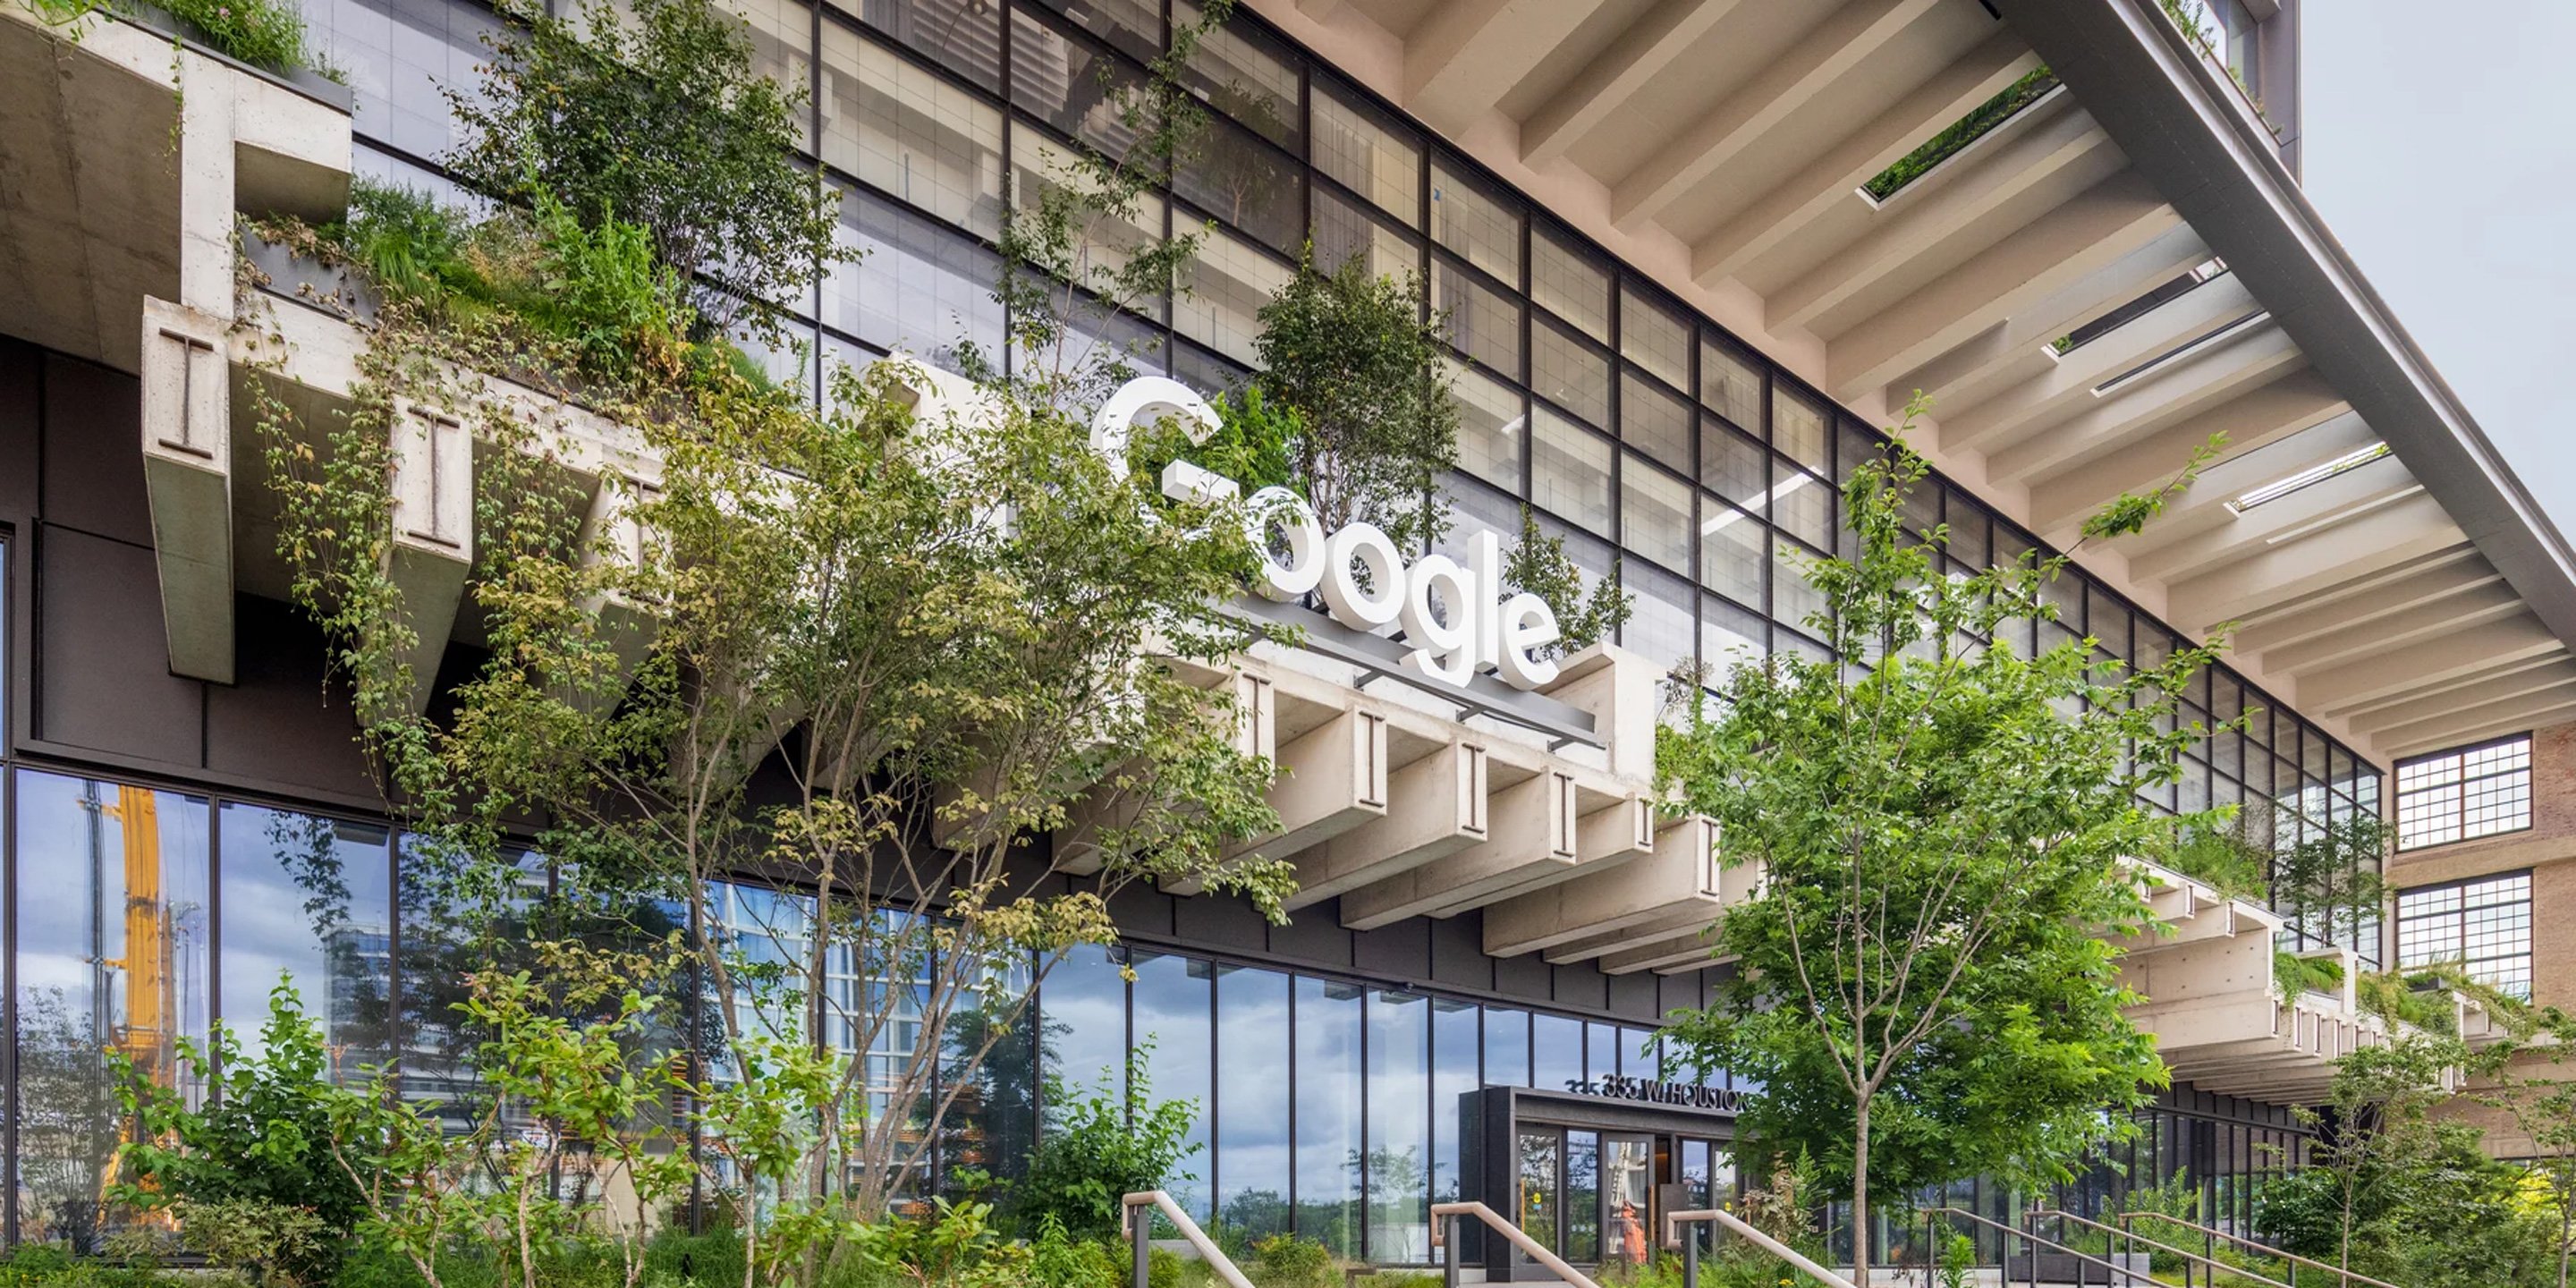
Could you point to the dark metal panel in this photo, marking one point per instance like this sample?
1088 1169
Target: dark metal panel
1527 975
93 457
102 662
1634 996
21 385
1582 985
1314 935
280 723
1458 952
1400 951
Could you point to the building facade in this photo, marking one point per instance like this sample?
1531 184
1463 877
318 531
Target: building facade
1692 255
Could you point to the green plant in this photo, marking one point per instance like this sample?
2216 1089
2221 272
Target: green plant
1921 986
1958 1260
1288 1261
2220 850
1537 563
256 1157
1251 444
267 34
649 111
601 288
1353 355
1094 1152
2330 881
1960 133
267 1243
2296 974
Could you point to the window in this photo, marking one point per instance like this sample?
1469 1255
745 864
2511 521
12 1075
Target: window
2464 794
2483 925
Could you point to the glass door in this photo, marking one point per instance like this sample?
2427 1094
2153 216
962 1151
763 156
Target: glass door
1627 1200
1538 1201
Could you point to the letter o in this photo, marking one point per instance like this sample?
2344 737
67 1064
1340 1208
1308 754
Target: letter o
1352 606
1305 533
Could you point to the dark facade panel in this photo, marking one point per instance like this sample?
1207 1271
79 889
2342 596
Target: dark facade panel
284 722
21 386
93 466
102 660
1458 954
1400 951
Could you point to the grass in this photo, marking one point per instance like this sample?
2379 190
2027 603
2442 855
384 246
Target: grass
1962 132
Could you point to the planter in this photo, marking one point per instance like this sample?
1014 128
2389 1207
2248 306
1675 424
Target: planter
331 288
303 80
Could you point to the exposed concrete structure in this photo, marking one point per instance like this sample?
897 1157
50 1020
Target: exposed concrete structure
1722 147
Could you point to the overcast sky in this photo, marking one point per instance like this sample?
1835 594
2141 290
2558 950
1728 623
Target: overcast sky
2441 148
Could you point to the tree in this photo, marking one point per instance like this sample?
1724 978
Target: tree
2329 881
2375 1140
1538 564
1921 986
648 112
1355 357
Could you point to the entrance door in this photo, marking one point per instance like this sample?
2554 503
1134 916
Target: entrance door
1627 1200
1538 1181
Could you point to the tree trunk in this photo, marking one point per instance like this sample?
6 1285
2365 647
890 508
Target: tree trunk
1860 1195
2566 1231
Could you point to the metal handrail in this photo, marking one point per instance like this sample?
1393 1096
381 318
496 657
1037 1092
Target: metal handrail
1445 1215
1736 1224
2209 1263
2347 1276
1141 1207
2036 1242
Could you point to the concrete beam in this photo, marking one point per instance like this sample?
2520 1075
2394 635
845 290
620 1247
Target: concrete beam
1677 872
1809 67
1834 177
2491 602
1531 831
2529 680
2214 542
1467 54
1605 84
2018 347
2026 161
433 533
2399 670
614 538
2402 589
2067 380
1623 693
2094 229
2179 389
2292 402
1436 807
187 480
2469 724
1331 780
2409 530
1670 957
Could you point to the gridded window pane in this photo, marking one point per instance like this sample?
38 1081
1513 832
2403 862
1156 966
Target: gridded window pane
919 289
1803 504
1246 75
1568 372
782 49
907 132
1735 467
1229 281
1481 225
309 899
1655 422
397 58
1570 472
1246 182
1342 230
1071 85
2483 925
1731 385
1490 422
1799 428
1662 627
1252 1063
1734 552
1729 635
1133 27
1655 514
1482 323
1364 152
1328 1113
1399 1127
1172 1008
2459 795
1039 165
1798 599
1654 337
1569 283
964 36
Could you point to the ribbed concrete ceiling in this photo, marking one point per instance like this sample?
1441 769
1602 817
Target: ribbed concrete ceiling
2410 601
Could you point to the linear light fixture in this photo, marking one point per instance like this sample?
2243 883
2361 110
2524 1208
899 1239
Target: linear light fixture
2309 477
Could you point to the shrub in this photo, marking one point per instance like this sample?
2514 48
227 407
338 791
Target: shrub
1287 1261
254 1155
1094 1155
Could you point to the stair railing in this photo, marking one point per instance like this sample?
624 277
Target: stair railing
2207 1260
1141 1208
2112 1272
1445 1219
2212 1236
1736 1225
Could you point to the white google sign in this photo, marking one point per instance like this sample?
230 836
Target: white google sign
1455 617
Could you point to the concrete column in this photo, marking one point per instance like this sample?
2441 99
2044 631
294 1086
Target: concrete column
1532 833
187 479
433 532
1436 807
